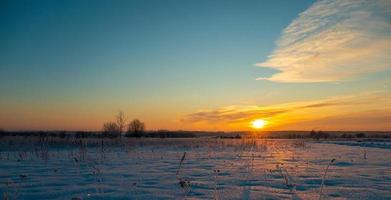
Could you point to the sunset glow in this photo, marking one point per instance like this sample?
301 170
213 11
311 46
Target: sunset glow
258 124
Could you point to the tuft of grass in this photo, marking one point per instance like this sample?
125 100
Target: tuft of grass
365 154
5 196
180 163
323 178
183 183
284 173
216 174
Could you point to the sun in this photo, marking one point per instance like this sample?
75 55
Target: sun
258 123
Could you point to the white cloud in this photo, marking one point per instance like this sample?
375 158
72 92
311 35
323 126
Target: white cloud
333 41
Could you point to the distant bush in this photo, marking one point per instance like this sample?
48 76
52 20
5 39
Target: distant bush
43 134
2 132
135 128
110 129
360 135
345 135
231 137
62 134
81 134
169 134
319 134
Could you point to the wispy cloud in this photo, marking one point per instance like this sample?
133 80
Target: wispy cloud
233 114
244 113
296 112
333 41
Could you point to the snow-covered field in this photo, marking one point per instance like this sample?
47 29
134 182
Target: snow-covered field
198 168
385 144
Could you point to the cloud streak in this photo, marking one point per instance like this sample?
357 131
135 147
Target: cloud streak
244 113
334 41
297 112
233 114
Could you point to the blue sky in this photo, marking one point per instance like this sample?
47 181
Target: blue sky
157 60
101 45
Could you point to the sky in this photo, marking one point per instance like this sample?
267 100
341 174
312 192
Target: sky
196 65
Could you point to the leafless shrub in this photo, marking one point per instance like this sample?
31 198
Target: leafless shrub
115 129
110 129
135 128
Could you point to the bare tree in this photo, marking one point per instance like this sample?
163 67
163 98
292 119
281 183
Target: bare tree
121 121
111 129
115 129
135 128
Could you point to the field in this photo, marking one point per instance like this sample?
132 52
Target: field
193 168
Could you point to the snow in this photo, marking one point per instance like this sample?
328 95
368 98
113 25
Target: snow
211 168
385 144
